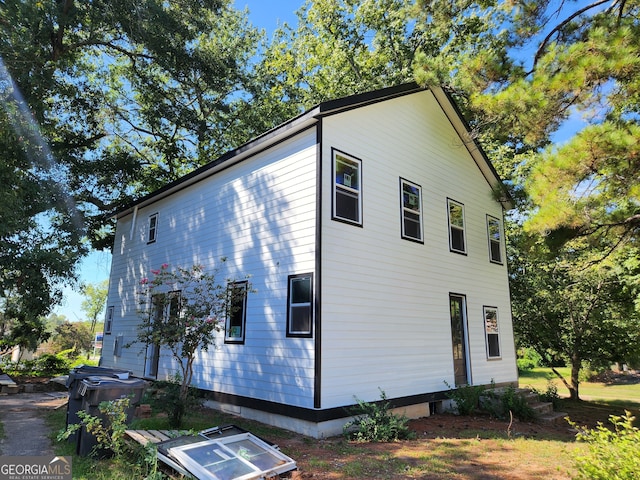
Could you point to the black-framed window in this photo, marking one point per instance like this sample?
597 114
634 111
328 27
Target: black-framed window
347 188
300 305
108 321
457 240
492 332
234 331
164 308
411 204
152 233
494 233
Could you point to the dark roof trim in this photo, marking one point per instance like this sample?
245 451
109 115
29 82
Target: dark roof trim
309 119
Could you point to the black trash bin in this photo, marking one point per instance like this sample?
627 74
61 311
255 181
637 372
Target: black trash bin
74 380
97 389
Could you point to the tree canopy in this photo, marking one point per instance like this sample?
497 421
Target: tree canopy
102 102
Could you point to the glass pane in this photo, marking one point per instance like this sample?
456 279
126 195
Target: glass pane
412 226
493 345
494 229
491 320
496 255
455 215
347 205
255 454
457 239
347 173
301 319
301 290
411 197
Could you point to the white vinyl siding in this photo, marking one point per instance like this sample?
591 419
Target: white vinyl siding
385 301
261 215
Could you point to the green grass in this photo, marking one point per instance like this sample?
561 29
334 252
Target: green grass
615 395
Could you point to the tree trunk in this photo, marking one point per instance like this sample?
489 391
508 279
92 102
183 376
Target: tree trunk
576 364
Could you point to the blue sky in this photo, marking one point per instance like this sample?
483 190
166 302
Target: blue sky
95 268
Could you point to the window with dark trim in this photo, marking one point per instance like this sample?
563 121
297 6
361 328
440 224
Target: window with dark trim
455 212
153 228
495 239
347 188
411 200
108 321
234 331
492 332
165 307
300 305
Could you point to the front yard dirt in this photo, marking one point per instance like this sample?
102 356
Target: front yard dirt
454 447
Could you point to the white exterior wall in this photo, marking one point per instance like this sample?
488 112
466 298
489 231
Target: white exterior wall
385 300
261 215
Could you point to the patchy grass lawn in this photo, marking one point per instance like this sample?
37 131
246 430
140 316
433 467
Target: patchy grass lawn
619 390
445 446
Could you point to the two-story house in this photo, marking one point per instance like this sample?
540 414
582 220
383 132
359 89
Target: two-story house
375 245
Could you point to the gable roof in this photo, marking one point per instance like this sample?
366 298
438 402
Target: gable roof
313 116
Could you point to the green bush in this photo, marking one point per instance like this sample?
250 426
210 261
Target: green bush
612 454
517 405
110 436
549 395
466 398
46 365
165 397
528 359
374 422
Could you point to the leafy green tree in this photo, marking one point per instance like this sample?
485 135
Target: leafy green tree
340 47
571 306
95 298
74 336
101 102
182 310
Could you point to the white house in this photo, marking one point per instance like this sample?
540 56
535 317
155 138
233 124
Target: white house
374 240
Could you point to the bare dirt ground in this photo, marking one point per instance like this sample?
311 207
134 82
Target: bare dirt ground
454 447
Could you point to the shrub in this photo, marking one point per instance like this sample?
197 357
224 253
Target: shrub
612 454
528 359
516 404
549 395
46 365
466 398
166 397
374 422
110 436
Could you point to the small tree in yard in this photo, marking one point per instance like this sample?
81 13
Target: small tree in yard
182 309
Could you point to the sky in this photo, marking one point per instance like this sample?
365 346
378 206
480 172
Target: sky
95 267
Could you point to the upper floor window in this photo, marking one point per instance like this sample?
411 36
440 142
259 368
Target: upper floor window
495 239
234 331
347 188
411 199
153 228
456 227
300 306
108 321
492 332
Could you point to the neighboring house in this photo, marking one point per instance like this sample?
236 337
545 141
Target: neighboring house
375 244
